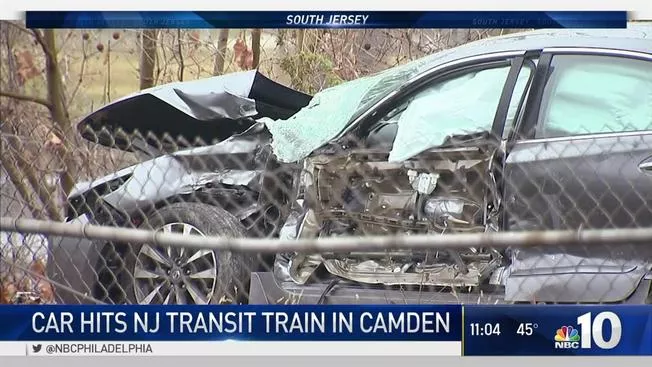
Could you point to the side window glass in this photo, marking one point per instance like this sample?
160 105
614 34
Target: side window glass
461 105
589 94
518 98
383 133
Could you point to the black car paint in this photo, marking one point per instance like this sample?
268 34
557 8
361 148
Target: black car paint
575 183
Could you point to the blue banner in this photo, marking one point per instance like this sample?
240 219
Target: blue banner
484 330
326 19
195 323
558 330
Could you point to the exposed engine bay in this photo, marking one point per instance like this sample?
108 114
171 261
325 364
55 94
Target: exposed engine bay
361 194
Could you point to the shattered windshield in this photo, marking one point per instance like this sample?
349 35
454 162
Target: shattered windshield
333 109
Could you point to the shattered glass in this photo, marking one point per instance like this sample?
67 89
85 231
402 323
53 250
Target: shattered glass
332 109
326 116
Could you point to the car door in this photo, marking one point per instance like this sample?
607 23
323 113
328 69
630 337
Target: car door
369 180
582 162
586 158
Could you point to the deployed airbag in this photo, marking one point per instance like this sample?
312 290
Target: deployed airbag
462 105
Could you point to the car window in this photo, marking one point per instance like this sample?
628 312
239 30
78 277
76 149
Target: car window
519 95
383 132
589 94
463 104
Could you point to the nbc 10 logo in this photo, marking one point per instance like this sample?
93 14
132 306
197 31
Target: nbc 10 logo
604 331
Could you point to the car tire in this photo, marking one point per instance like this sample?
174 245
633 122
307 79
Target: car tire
233 270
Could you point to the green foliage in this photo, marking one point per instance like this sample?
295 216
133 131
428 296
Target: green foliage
310 72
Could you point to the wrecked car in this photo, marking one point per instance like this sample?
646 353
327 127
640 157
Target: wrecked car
533 131
207 162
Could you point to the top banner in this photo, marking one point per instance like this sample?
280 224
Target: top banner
326 19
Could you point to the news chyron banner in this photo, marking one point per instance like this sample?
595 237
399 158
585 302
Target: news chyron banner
408 329
326 19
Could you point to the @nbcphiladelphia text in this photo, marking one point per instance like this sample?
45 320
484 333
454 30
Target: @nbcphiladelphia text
89 348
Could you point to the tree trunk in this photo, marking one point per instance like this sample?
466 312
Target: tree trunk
182 65
255 46
148 58
300 39
19 169
11 59
459 37
220 57
63 127
18 180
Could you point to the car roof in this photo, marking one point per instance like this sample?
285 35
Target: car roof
636 38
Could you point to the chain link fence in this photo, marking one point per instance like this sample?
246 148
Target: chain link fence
364 231
440 195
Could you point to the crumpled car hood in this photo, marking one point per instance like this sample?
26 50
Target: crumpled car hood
153 172
211 109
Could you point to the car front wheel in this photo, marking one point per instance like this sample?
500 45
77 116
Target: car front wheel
179 275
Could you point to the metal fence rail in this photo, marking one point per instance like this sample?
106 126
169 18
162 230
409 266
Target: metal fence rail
589 238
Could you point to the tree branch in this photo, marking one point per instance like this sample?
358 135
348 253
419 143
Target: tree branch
41 40
18 26
180 50
22 97
37 35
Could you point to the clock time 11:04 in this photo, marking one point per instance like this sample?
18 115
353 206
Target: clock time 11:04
487 329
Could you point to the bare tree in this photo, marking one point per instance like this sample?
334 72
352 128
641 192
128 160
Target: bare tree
148 58
255 46
220 56
61 125
15 174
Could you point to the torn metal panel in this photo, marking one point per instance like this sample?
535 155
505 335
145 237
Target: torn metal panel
362 193
211 109
247 178
217 105
237 161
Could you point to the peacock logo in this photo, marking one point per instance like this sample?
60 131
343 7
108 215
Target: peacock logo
567 337
567 334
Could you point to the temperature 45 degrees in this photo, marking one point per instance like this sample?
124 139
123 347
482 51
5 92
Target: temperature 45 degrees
526 328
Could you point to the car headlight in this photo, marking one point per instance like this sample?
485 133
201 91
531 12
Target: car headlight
87 201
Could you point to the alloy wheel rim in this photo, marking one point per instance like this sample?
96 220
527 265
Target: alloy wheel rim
175 275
